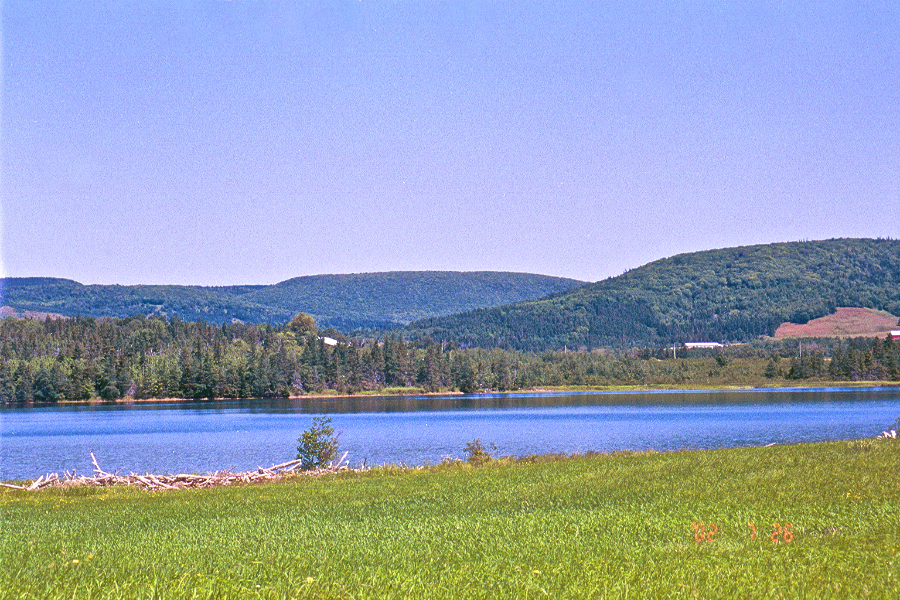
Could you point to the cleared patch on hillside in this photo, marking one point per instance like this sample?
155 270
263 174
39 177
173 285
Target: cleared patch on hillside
845 322
8 311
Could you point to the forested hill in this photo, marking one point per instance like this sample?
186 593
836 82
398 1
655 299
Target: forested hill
732 294
346 302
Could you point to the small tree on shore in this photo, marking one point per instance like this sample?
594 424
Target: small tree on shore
318 444
478 453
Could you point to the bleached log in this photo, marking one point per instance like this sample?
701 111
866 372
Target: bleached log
338 464
143 480
156 480
297 461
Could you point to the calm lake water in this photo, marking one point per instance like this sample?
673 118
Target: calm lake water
208 436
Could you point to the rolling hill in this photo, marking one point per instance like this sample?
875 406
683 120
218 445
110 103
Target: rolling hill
346 302
731 294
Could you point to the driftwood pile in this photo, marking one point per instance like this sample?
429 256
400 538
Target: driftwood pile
173 482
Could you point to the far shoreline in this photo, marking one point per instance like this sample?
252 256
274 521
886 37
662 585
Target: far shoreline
416 392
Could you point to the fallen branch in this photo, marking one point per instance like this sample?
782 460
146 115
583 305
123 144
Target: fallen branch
97 468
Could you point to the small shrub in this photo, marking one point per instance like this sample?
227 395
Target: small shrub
318 444
478 454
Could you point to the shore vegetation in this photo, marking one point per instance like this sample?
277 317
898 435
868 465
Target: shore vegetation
800 521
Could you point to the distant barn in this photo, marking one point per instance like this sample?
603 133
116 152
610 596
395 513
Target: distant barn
702 345
895 334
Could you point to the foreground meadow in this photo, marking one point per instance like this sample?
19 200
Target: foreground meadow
804 521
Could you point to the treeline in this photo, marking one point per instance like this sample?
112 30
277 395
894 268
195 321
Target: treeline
138 357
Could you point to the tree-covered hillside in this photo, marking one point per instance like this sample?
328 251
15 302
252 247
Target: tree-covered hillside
731 294
347 302
395 298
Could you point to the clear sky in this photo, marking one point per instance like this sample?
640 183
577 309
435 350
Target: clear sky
250 141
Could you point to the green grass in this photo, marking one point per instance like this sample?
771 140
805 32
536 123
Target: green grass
607 526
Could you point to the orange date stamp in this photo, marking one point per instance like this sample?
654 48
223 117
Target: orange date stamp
781 532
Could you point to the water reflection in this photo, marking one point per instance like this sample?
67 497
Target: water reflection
438 402
207 436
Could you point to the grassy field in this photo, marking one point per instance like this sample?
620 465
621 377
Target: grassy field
606 526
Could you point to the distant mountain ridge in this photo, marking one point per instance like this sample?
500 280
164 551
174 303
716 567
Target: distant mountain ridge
730 294
346 302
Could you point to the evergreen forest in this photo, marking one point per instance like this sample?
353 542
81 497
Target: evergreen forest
83 359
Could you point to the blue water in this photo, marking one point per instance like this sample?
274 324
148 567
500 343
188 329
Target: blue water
208 436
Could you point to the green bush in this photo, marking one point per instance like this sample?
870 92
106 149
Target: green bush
478 454
318 444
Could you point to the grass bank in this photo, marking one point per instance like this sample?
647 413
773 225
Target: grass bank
606 526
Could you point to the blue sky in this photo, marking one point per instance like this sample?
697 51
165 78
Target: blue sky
250 141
